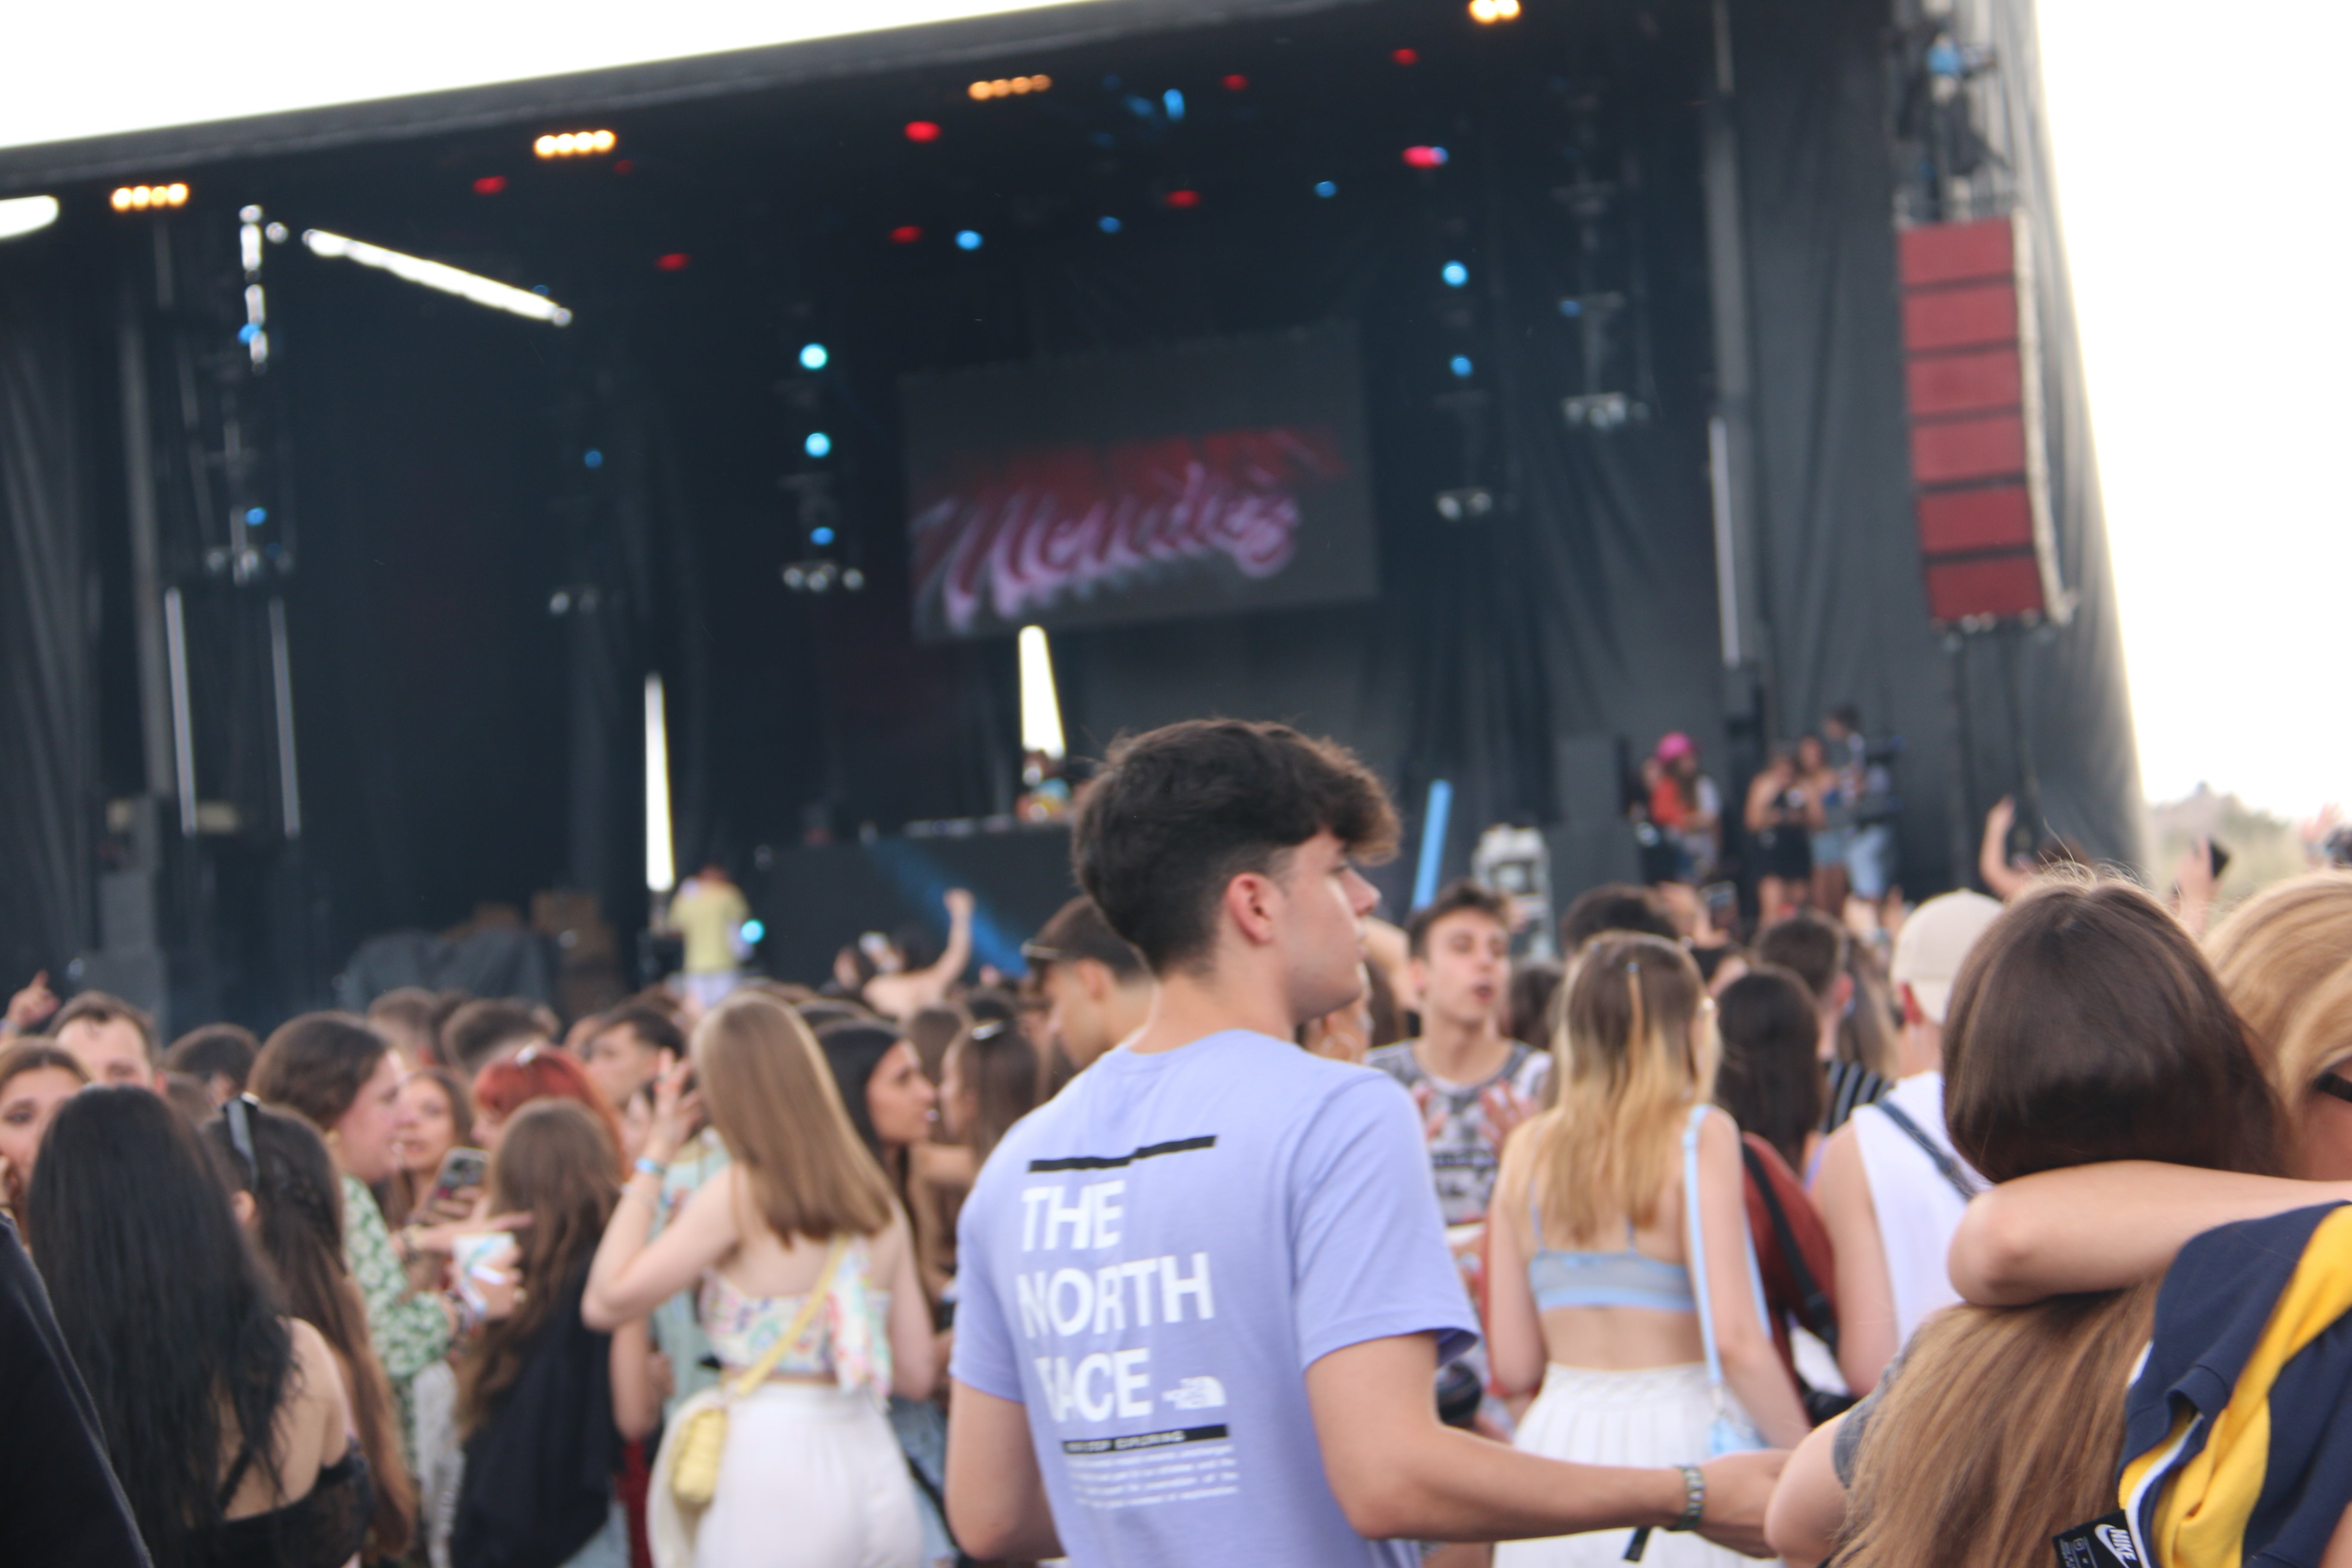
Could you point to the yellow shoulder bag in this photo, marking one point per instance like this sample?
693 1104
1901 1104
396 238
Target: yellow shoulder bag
694 1476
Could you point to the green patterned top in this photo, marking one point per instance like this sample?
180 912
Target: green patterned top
410 1331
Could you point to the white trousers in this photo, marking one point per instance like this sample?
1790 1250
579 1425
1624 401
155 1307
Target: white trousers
811 1476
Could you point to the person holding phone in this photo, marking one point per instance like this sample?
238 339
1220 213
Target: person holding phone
426 1189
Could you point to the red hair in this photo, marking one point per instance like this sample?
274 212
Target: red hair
542 1072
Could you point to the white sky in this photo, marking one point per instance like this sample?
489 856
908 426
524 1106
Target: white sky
2200 152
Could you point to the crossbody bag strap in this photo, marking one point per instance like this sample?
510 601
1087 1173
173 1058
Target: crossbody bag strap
1945 1166
1697 1245
1812 1302
811 1304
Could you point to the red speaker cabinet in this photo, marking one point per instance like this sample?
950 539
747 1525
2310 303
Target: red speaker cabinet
1980 468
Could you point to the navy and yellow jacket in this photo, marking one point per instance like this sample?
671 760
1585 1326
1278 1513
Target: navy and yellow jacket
2237 1429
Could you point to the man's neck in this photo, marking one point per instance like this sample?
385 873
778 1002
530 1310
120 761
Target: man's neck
1921 1049
1460 1052
1189 1007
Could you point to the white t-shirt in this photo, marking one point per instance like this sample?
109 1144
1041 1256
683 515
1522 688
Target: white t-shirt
1150 1262
1917 1208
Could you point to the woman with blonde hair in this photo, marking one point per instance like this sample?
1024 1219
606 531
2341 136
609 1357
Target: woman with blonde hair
1611 1282
807 1276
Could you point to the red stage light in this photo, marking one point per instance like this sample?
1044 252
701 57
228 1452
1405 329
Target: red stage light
489 184
1406 57
1424 157
623 166
1236 83
922 131
1182 198
906 234
675 261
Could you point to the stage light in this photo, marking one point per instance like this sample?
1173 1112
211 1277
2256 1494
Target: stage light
922 131
1040 708
818 444
575 143
1455 274
1488 12
1009 86
592 458
276 233
1406 57
1326 189
437 274
968 239
1107 224
23 215
820 536
813 356
1424 157
255 516
138 198
625 166
489 184
1182 198
1236 83
1173 102
906 234
751 932
1461 366
674 261
661 863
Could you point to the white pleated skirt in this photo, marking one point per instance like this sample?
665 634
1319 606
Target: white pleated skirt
811 1476
1656 1416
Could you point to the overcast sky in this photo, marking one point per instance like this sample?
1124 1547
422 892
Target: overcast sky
2202 182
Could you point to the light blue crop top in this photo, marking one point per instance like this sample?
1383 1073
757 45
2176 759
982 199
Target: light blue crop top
1627 1278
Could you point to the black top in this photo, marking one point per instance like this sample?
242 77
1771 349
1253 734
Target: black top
59 1499
539 1472
321 1529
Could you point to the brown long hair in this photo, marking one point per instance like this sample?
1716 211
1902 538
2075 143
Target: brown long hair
998 1067
298 1211
1632 1052
2085 1026
773 1102
555 1163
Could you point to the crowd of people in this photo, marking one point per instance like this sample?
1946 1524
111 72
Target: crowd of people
1245 1226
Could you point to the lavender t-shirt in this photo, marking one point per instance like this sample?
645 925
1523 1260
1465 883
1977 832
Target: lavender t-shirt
1150 1263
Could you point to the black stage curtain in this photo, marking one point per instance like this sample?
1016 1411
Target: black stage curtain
48 706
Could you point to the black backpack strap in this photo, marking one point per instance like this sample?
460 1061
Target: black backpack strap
1812 1305
1945 1166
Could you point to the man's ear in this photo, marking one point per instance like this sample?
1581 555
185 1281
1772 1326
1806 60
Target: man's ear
1095 979
1912 1012
1253 902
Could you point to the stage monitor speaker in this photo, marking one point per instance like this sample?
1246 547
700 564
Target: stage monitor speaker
1980 467
1589 773
140 976
1583 858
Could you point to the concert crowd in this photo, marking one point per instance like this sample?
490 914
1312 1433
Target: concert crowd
1788 1219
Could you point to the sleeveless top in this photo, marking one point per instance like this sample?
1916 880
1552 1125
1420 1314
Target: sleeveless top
1627 1278
848 1341
1917 1208
323 1528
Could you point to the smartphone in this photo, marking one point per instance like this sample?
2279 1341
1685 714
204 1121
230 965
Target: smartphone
461 1169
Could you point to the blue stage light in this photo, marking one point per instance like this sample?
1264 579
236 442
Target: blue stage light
1174 102
819 444
256 516
752 931
247 333
1461 366
820 536
968 239
1455 274
593 458
1571 306
1107 224
813 356
1326 189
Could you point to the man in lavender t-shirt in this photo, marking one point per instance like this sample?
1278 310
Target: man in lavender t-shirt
1204 1293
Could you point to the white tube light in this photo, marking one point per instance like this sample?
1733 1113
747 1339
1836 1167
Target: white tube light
1041 709
23 215
661 863
439 274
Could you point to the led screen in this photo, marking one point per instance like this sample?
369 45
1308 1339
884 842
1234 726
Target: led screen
1198 481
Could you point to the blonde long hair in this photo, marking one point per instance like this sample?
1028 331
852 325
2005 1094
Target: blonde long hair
773 1102
1633 1050
2286 958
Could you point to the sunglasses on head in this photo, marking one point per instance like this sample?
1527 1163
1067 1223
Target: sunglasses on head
238 1114
2334 1083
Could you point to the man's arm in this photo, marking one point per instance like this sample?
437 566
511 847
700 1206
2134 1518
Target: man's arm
1397 1472
1867 1339
996 1499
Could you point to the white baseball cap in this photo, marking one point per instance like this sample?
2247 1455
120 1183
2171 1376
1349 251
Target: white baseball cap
1934 944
